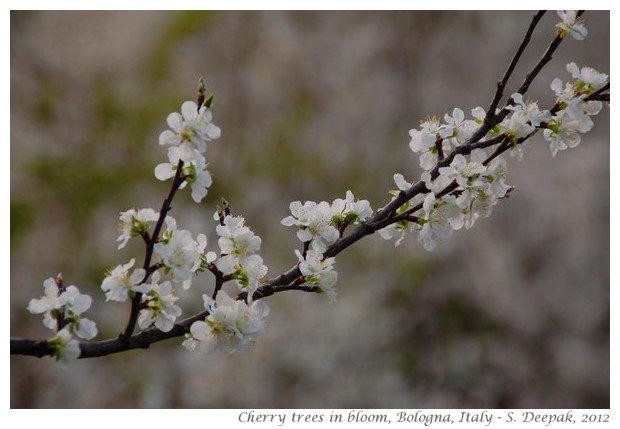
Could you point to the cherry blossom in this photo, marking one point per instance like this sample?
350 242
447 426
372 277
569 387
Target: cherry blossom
230 325
181 255
562 133
349 210
434 221
314 222
158 305
64 304
319 272
570 25
457 130
64 347
424 142
191 130
118 285
134 223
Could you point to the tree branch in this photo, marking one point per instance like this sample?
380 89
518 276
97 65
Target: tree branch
150 245
289 280
501 85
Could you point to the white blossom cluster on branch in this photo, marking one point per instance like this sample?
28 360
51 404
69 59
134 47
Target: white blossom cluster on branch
464 177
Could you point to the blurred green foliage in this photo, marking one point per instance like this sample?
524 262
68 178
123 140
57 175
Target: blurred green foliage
23 215
181 25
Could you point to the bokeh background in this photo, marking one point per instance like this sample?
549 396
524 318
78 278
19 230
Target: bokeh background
513 313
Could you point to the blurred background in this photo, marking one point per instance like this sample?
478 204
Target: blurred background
512 313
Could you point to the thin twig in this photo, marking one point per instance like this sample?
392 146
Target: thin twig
150 245
501 85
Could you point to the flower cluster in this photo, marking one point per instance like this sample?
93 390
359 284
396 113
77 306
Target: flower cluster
564 129
119 285
322 224
318 272
230 325
181 255
478 186
469 187
62 309
318 226
187 140
158 304
434 137
478 179
238 260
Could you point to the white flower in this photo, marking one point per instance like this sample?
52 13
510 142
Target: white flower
77 304
565 94
191 130
227 264
569 25
133 223
588 79
481 205
479 114
252 271
181 255
236 239
495 175
562 133
249 321
434 222
580 111
517 125
319 272
231 325
457 130
401 183
530 111
314 222
194 172
238 245
571 97
158 302
432 126
398 229
468 175
64 346
300 214
84 328
349 211
199 179
424 142
68 305
119 284
200 338
51 300
246 271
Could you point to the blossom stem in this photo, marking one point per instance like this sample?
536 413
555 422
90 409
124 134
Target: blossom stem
439 147
599 95
150 244
501 85
219 282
